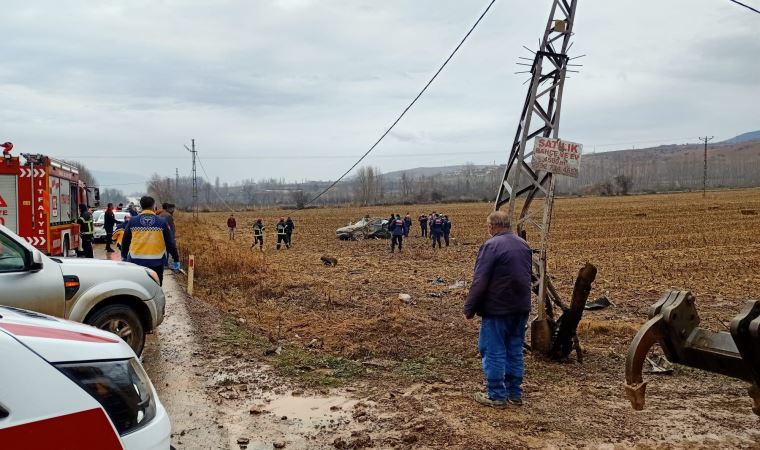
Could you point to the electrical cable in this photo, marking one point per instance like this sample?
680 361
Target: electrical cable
197 156
403 113
746 6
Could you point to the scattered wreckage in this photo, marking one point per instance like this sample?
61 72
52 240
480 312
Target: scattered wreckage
366 228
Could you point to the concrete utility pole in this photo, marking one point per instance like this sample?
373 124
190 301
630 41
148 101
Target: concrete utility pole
704 175
520 182
195 179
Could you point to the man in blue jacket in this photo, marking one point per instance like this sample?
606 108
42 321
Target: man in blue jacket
436 229
446 229
148 240
397 227
500 294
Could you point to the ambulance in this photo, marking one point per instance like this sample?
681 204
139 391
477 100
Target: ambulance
64 385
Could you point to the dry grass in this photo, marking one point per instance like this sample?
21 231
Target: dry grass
331 320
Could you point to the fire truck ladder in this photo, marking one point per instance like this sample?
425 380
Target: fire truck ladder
520 181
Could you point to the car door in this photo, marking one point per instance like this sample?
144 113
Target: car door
36 290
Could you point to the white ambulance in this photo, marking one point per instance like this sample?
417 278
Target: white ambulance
68 386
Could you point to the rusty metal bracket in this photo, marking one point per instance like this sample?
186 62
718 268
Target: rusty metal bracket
673 323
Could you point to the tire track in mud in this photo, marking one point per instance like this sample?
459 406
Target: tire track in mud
170 360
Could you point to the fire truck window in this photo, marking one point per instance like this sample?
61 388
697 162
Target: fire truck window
11 255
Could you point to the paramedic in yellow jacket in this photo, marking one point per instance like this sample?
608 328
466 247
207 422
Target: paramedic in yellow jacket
147 240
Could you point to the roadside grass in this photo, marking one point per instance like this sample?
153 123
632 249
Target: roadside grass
316 370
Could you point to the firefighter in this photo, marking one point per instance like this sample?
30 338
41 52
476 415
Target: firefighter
231 226
436 230
446 229
407 224
289 230
398 229
423 224
282 233
258 234
86 231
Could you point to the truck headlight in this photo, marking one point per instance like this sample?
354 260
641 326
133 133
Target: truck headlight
121 387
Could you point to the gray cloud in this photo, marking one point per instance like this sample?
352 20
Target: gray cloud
307 77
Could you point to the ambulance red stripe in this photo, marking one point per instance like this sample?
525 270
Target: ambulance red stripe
53 333
85 430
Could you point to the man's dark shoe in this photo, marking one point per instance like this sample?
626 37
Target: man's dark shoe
515 401
482 398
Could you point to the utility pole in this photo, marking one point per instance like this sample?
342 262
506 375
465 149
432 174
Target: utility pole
176 183
194 152
705 139
521 185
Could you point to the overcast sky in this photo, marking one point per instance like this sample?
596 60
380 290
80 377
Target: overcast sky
298 89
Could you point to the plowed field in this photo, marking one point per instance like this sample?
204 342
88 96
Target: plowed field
417 362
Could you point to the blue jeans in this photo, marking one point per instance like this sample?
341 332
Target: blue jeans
501 347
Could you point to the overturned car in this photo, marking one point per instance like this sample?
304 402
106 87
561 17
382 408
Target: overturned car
366 228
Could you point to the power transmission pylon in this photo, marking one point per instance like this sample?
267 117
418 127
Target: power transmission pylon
520 182
704 175
195 179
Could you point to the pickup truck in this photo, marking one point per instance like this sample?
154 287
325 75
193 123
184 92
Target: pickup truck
119 297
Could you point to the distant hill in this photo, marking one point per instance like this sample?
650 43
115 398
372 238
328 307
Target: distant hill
126 182
746 137
444 171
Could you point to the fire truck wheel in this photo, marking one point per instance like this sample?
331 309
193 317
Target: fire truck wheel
66 247
122 321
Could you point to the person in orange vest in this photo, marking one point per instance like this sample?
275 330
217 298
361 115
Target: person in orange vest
231 226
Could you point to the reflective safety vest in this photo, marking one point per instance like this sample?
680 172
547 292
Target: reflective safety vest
282 228
258 229
85 227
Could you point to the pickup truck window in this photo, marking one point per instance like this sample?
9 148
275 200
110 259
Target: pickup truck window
11 255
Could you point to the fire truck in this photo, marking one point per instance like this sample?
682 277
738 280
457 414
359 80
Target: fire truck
40 198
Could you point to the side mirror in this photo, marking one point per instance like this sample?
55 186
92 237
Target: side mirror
36 263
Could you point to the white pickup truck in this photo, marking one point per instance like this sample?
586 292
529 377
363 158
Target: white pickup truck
119 297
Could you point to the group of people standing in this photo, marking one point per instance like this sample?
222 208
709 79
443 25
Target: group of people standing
284 230
439 227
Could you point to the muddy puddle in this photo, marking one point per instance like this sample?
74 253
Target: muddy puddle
293 419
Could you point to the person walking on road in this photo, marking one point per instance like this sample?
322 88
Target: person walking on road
500 294
398 229
289 230
436 230
147 240
86 231
167 214
231 226
109 221
423 219
258 234
446 229
282 233
407 224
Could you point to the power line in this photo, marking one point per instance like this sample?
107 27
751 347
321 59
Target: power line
746 6
403 113
209 178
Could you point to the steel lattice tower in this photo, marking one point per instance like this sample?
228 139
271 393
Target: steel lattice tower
521 185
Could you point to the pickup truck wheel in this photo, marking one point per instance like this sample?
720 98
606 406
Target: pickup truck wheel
122 321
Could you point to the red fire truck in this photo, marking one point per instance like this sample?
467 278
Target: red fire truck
40 198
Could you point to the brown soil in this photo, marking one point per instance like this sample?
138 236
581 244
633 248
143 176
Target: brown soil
413 366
